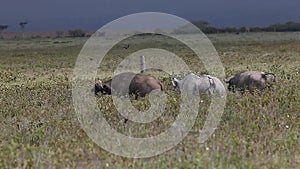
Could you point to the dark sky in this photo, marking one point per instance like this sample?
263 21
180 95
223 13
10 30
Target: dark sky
44 15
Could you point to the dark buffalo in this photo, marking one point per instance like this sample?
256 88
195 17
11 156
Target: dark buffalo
250 80
139 85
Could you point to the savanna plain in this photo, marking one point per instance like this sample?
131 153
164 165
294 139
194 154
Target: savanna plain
40 128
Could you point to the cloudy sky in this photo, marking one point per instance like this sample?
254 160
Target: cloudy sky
45 15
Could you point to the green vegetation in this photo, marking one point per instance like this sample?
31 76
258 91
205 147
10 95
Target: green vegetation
40 129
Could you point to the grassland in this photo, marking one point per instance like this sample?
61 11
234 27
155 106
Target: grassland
40 129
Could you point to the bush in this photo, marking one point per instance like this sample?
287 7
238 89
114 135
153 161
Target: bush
76 33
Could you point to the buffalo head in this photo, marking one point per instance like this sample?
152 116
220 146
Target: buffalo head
104 88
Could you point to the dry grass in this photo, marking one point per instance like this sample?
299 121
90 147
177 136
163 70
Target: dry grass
39 127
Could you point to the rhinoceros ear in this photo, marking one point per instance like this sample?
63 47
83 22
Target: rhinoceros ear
226 80
270 77
210 80
175 82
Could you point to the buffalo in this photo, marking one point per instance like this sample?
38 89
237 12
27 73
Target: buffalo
250 80
139 85
203 84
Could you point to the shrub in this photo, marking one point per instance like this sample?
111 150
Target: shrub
76 33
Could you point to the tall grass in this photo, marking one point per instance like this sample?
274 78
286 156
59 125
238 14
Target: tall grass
39 127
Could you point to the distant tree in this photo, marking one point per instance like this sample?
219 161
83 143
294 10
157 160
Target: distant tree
290 23
292 26
2 28
185 29
59 34
76 33
243 29
230 30
210 29
200 24
255 29
22 24
286 27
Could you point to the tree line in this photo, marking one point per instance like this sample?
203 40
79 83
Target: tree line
208 29
71 33
186 29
